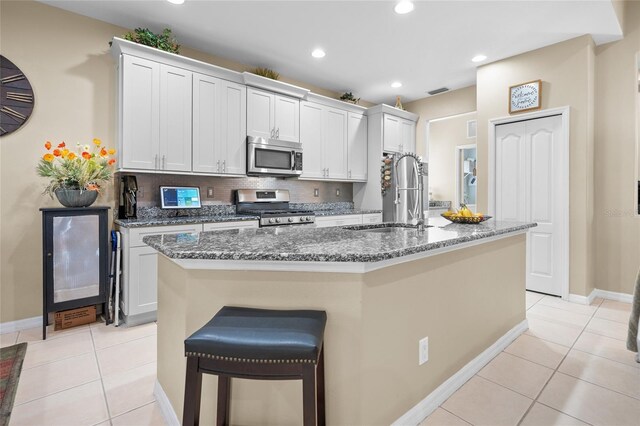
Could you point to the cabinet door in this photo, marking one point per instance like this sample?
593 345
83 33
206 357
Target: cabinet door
260 113
175 118
141 287
233 127
140 113
408 136
341 220
207 146
311 131
335 143
221 226
357 143
391 133
287 118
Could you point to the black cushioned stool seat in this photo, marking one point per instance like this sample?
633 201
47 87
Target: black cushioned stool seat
257 344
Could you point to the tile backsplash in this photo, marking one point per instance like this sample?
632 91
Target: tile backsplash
301 191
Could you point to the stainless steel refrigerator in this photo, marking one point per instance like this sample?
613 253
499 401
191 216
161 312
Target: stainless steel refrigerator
400 200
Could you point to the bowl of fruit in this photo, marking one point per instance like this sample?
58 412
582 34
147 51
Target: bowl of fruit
464 215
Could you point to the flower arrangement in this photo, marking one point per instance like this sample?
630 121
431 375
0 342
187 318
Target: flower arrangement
87 167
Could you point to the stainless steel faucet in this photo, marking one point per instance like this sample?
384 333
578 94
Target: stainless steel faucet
420 173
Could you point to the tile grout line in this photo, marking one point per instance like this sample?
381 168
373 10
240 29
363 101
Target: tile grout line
104 392
453 414
55 393
133 409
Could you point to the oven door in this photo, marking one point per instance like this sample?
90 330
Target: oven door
273 157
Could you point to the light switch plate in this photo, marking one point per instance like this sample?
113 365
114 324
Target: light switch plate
316 192
423 350
209 192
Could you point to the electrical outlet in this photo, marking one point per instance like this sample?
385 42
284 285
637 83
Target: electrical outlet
209 192
316 192
337 192
423 351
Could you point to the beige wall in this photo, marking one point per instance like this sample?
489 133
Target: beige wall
566 71
68 62
444 105
444 136
617 241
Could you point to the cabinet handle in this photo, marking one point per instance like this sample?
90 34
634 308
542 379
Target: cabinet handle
155 162
327 172
49 254
164 162
349 174
273 133
278 133
218 165
224 165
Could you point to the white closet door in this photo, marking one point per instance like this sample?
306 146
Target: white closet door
529 188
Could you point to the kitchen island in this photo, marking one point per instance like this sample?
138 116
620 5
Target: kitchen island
383 287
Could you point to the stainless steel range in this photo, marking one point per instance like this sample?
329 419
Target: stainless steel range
272 206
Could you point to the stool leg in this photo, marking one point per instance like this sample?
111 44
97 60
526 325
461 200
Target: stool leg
320 389
192 389
309 408
224 399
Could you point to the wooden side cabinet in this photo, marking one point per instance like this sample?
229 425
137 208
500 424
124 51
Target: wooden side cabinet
75 259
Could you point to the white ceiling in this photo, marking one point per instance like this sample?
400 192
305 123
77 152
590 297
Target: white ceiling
368 46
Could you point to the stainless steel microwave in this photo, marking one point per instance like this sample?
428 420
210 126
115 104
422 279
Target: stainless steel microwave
273 157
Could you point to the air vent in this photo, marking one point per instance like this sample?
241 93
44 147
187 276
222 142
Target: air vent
440 90
471 129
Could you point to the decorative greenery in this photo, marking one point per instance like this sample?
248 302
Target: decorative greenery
164 41
266 72
348 97
76 169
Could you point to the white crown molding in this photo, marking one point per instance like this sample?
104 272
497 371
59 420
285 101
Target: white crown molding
425 407
254 80
336 103
386 109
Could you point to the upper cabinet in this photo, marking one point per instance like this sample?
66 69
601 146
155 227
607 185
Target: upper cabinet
399 134
219 126
357 147
155 130
272 116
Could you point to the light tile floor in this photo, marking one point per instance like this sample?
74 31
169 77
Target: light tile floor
570 368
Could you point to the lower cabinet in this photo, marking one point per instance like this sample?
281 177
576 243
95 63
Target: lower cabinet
139 286
348 219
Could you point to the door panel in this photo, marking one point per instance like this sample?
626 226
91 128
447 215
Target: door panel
541 254
391 133
510 185
206 127
287 118
175 118
357 145
260 110
541 148
233 128
311 136
335 143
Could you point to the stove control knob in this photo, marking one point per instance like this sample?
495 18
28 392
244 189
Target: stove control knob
290 219
278 220
271 220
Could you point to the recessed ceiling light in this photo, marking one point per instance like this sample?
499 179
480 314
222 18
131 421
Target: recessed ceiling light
396 84
176 1
478 58
403 6
318 53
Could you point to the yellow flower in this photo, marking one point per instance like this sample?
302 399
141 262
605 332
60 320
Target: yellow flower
48 157
112 151
71 156
65 153
97 141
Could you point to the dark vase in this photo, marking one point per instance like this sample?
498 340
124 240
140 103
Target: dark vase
76 197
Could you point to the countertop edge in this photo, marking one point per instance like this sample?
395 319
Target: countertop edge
331 266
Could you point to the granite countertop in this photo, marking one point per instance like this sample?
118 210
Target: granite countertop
339 244
181 220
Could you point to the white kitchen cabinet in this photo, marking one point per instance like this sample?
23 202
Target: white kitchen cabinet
241 224
371 218
175 119
338 220
155 116
272 116
323 134
357 147
399 134
139 113
219 126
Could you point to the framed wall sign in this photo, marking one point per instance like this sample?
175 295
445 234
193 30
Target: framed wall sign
525 96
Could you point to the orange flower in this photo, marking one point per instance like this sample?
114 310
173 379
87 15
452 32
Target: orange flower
48 157
57 152
112 161
61 145
92 187
86 155
112 151
97 141
71 156
103 152
47 145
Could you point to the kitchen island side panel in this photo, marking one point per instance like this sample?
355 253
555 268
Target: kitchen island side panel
463 300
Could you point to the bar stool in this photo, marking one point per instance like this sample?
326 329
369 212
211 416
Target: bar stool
260 344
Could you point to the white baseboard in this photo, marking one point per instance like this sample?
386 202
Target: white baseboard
166 408
425 407
613 295
19 325
604 294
